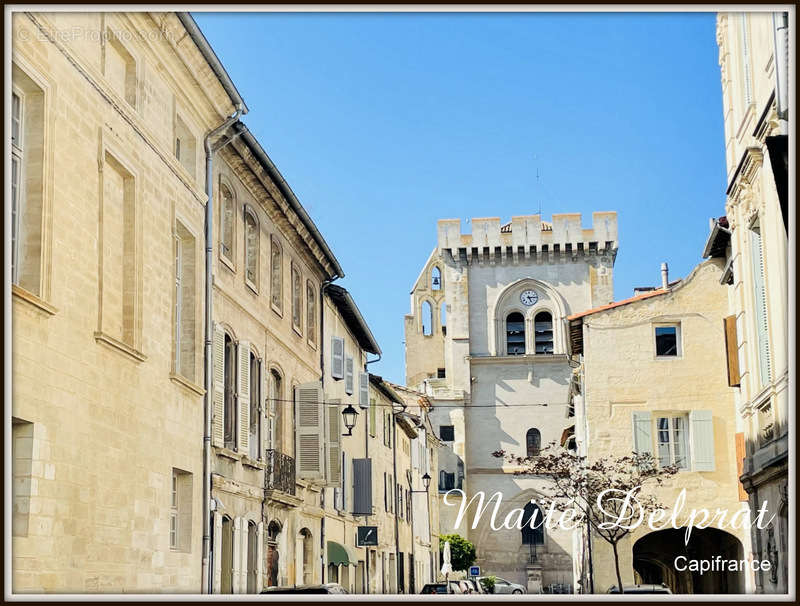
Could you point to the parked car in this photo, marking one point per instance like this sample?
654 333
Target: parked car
646 588
475 586
503 586
326 588
435 588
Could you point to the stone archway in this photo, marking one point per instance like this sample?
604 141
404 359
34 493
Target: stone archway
655 554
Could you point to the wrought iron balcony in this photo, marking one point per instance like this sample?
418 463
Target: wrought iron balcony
279 473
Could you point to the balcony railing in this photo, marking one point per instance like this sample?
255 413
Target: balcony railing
279 473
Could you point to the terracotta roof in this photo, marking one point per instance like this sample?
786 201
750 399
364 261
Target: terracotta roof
646 295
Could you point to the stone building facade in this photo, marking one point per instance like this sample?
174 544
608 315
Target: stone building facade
752 238
652 379
494 366
107 423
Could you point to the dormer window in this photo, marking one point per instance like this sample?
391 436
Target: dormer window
515 334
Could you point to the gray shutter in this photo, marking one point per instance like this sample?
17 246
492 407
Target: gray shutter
345 479
218 433
362 486
363 390
642 433
334 435
701 431
337 357
348 375
309 431
243 397
762 322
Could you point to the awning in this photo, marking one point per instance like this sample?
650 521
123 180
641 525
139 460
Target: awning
341 554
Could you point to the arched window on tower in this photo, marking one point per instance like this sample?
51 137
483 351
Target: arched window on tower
436 278
543 332
427 318
443 317
515 334
533 442
532 516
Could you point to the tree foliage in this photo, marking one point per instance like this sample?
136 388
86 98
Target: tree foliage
462 551
594 490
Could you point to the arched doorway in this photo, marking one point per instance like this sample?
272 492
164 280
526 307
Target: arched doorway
308 556
532 531
273 557
655 555
226 557
252 557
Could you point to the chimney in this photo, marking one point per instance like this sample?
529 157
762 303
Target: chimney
664 276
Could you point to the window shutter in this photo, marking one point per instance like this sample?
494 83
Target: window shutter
701 428
218 433
243 397
373 417
309 431
259 557
345 479
642 433
334 432
415 453
732 351
362 486
337 357
363 390
762 328
348 375
385 493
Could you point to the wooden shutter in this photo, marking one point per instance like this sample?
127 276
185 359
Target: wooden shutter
373 417
309 431
218 432
334 435
701 432
345 479
363 391
732 351
642 433
243 397
337 357
236 548
362 486
348 375
385 492
762 326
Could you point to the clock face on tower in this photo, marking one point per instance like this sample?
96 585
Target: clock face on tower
529 297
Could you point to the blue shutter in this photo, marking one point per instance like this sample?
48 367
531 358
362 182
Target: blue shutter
701 430
761 320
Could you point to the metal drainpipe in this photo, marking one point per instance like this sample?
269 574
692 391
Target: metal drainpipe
322 290
366 456
206 577
394 504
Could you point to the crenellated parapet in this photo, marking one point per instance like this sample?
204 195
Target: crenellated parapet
527 237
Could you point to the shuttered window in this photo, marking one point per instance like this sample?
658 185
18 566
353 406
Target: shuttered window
701 427
732 351
337 357
334 435
218 421
309 431
363 390
685 440
362 486
373 417
642 433
348 375
759 291
243 397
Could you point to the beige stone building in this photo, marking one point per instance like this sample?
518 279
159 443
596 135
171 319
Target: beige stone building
486 343
109 112
652 379
752 238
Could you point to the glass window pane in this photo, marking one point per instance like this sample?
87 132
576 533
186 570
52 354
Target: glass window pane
680 436
666 341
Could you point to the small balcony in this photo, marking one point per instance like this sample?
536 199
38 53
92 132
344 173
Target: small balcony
279 472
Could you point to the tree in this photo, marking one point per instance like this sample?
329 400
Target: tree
462 551
594 490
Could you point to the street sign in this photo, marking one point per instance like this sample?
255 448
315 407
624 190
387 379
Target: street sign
367 536
474 571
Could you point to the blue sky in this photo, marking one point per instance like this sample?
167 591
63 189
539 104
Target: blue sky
384 123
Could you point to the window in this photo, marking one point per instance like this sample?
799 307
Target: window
251 248
180 511
398 490
543 332
255 408
185 294
760 296
230 398
443 317
447 433
120 68
447 481
276 276
387 429
459 473
226 220
373 417
185 146
532 525
27 182
297 302
440 373
348 375
672 441
275 411
668 340
427 318
311 312
436 278
21 468
515 334
533 442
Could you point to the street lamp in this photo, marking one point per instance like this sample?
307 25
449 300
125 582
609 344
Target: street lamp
426 481
349 415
